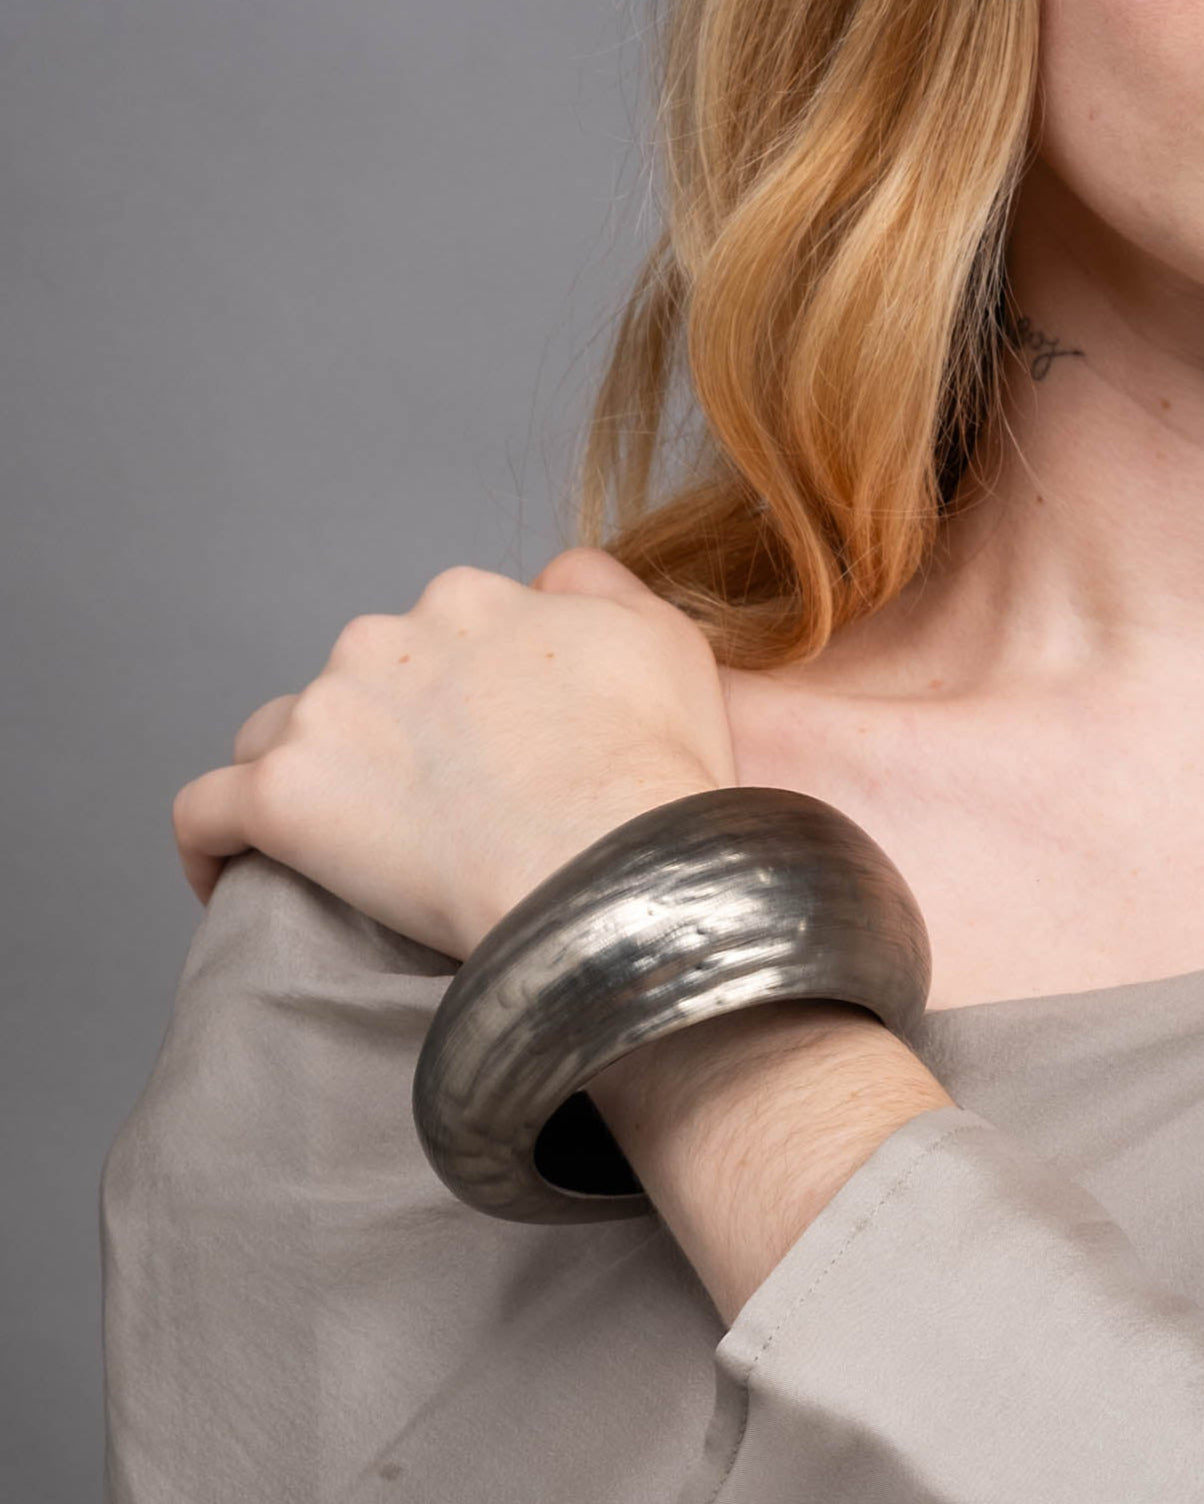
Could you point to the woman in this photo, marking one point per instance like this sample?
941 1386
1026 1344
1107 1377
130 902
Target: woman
937 275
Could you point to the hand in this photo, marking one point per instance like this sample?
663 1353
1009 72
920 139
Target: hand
447 760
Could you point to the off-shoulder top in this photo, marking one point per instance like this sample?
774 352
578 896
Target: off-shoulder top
1004 1303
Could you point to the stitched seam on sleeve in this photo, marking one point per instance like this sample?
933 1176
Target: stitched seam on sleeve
867 1220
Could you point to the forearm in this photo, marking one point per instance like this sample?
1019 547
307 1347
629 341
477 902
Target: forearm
742 1128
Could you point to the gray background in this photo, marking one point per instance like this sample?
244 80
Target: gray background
300 302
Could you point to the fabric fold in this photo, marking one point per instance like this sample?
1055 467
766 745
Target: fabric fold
297 1311
962 1322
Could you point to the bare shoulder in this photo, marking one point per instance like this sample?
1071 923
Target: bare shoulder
1033 877
875 754
888 767
866 758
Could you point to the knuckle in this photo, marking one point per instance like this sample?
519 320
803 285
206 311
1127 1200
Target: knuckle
364 633
578 564
275 785
314 705
252 731
240 748
456 576
461 584
181 807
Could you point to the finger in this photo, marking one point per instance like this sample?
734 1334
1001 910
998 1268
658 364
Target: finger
263 728
592 571
208 817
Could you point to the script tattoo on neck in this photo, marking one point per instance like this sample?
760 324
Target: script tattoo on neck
1044 345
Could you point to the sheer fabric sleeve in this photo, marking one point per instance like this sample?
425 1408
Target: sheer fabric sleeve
962 1323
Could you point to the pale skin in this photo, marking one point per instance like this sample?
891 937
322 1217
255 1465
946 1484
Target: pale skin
1020 729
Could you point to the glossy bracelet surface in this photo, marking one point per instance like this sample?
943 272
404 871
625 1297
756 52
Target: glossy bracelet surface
721 900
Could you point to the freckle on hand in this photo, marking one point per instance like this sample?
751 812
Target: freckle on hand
405 658
1166 402
549 655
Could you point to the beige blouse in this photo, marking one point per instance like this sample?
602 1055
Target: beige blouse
1003 1304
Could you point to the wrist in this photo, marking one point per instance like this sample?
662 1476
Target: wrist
741 1141
575 830
667 1081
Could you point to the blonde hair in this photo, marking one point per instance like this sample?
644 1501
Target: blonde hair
838 180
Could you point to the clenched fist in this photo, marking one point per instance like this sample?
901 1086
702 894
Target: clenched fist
446 760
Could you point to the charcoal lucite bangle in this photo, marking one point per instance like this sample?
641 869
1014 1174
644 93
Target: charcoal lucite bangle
721 900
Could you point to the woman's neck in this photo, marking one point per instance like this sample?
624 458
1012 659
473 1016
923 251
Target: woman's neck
1075 562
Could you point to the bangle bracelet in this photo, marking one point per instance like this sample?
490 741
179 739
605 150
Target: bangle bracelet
721 900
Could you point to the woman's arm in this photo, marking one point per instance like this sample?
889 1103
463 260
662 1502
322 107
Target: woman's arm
958 1321
288 1287
262 1210
743 1127
919 1312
